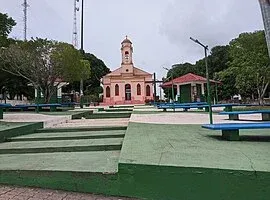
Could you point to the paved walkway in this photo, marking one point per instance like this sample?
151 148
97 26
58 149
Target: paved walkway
190 118
18 193
49 120
94 122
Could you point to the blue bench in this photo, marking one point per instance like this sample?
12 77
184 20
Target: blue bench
38 107
184 106
230 131
235 114
227 106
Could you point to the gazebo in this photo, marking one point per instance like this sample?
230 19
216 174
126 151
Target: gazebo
190 87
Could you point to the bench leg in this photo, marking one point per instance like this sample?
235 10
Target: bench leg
53 109
228 109
206 109
38 109
231 135
164 109
266 116
1 113
233 116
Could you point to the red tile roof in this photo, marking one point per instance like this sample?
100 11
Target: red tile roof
187 78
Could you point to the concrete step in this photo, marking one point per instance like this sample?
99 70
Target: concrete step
69 135
107 115
105 144
94 161
75 129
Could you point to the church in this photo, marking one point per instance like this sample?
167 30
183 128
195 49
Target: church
127 84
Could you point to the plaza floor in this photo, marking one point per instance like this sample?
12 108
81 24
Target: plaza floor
161 155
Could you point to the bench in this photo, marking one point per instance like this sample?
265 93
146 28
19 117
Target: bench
52 106
235 114
184 106
230 131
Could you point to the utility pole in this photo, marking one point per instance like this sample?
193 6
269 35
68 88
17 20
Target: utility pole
82 51
75 31
207 77
25 6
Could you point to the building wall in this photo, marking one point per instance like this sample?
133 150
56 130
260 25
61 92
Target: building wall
122 81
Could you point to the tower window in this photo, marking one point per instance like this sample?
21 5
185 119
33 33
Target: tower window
126 55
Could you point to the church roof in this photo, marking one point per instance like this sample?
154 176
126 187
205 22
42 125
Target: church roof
136 71
187 78
126 40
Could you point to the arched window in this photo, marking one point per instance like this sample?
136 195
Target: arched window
116 90
148 90
108 92
139 89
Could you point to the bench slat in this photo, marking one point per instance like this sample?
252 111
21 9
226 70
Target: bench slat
237 126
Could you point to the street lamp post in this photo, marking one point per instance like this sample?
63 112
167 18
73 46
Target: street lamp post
207 77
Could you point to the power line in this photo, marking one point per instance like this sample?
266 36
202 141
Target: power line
25 6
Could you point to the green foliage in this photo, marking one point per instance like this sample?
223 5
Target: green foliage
44 63
242 67
6 25
249 54
92 83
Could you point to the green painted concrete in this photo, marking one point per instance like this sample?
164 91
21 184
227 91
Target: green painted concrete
11 129
70 135
96 128
193 146
188 162
117 110
158 162
106 115
100 161
174 183
61 146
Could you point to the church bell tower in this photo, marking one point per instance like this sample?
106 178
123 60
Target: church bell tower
127 51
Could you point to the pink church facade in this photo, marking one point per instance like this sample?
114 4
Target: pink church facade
127 84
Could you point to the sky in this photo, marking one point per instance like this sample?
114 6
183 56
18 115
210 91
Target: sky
159 29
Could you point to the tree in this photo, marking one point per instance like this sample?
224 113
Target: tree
44 63
91 85
6 25
249 55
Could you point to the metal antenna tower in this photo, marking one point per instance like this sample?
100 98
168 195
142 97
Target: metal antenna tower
25 6
75 32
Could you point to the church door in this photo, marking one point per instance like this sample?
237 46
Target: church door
127 92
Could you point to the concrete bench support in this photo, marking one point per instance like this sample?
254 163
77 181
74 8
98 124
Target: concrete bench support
228 109
233 116
231 135
1 113
266 116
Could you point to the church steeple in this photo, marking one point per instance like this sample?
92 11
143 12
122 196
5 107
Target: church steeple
127 51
